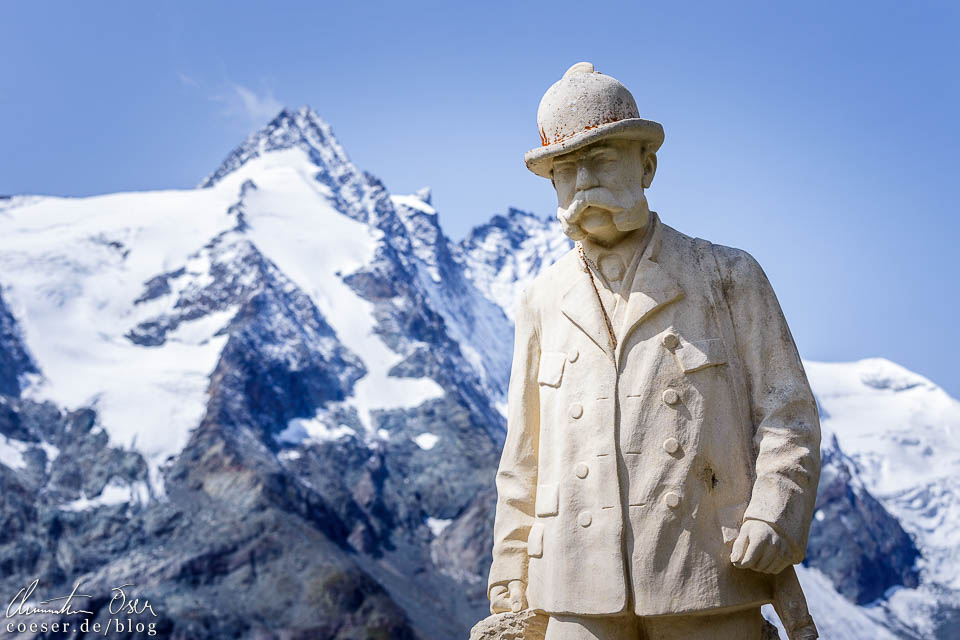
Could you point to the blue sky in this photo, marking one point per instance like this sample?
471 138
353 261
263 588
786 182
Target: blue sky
821 136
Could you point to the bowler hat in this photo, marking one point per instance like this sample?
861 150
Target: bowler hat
581 108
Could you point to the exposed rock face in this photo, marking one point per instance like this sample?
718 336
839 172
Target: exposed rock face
259 555
853 539
261 531
475 322
14 359
505 254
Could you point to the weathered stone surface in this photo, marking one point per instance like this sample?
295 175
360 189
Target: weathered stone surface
711 464
525 625
770 631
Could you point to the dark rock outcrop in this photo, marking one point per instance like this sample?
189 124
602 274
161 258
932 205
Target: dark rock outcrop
15 361
853 539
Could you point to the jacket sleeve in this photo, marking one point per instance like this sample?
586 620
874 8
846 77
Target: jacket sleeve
517 473
782 407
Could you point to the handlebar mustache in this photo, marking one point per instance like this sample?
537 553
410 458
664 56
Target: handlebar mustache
598 197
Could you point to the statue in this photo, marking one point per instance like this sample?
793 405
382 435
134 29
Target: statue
662 455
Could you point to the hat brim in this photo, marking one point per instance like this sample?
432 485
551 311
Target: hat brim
540 160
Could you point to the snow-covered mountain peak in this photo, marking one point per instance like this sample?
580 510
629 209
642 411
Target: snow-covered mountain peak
425 194
903 433
301 129
872 374
504 255
880 373
415 204
288 242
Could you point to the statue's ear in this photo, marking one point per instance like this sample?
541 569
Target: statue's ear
649 167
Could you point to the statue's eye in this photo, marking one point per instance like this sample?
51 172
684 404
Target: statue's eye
601 160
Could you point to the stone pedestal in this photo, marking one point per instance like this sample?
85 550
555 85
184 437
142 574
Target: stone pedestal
525 625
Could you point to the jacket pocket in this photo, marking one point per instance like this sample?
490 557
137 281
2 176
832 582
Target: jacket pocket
548 499
700 354
551 368
535 540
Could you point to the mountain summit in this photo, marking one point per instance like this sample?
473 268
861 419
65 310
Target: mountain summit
301 129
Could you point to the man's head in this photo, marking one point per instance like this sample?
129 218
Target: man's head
600 189
598 152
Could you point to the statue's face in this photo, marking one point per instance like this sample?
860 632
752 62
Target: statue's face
600 190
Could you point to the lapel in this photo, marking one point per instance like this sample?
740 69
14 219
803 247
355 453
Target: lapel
580 304
653 286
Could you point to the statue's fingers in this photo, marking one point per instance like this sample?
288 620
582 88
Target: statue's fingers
783 559
516 596
499 600
499 604
739 546
771 554
782 563
752 554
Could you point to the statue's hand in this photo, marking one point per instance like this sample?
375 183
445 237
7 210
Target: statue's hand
508 598
761 548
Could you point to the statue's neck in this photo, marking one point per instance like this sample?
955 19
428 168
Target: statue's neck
624 245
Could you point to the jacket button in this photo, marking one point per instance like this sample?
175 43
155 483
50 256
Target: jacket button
582 470
584 519
670 445
670 396
573 354
672 500
576 410
670 341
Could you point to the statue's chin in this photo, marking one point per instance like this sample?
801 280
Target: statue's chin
596 220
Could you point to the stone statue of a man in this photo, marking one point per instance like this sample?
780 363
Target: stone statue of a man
663 446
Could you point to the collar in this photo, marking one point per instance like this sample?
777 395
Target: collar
652 286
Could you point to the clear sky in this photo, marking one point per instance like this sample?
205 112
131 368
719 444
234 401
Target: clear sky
820 136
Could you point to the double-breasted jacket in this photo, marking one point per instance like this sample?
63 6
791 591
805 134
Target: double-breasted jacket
627 472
